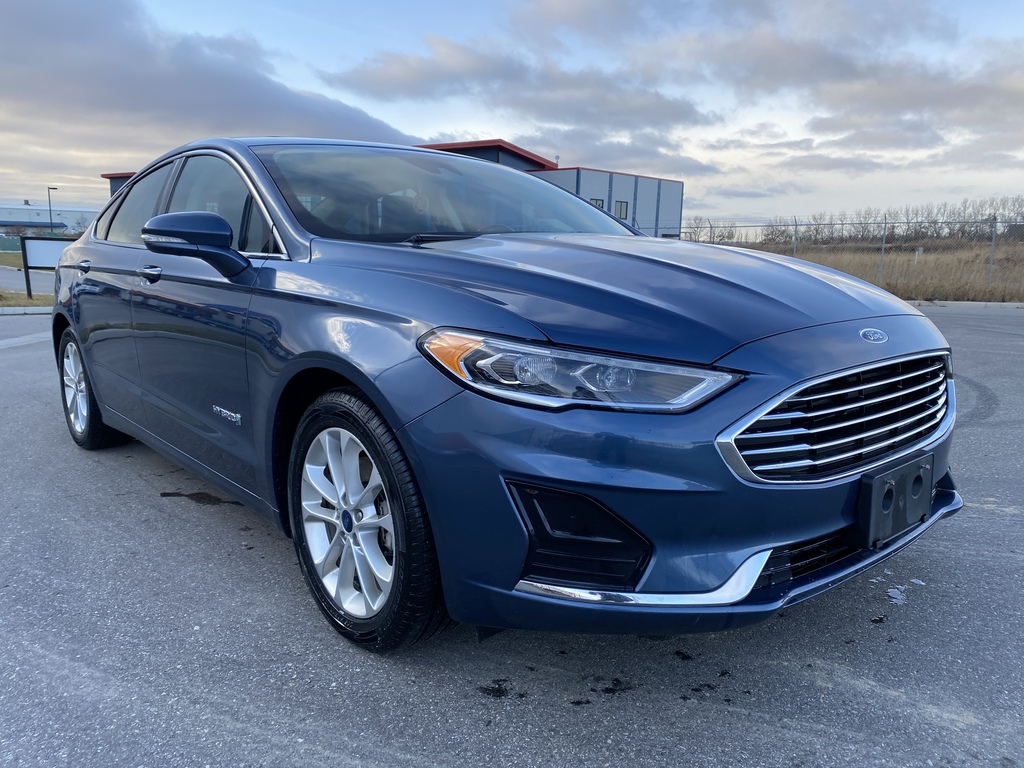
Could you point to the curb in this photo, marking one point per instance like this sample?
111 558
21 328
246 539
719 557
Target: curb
25 310
975 304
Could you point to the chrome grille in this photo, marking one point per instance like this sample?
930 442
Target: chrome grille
847 421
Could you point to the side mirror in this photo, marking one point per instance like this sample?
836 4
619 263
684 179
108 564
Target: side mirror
199 234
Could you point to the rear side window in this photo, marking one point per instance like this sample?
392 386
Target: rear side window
103 222
138 207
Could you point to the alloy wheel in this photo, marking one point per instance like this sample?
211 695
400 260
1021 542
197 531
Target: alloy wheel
347 522
76 393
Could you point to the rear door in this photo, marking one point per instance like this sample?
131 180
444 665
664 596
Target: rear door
190 326
103 278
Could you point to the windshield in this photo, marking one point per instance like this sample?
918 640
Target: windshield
389 195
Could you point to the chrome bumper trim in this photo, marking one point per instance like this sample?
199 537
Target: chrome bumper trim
732 591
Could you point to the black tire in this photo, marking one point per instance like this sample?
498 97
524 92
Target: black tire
384 531
81 411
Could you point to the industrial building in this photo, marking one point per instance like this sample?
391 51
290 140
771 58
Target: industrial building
40 217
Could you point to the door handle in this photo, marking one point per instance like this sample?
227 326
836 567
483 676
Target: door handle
84 266
149 274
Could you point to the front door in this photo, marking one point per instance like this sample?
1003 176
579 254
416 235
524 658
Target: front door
190 327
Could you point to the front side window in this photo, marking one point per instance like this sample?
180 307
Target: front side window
388 195
138 207
210 184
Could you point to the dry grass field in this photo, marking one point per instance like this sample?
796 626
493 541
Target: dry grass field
15 299
931 272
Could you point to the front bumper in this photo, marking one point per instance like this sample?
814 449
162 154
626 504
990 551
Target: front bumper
741 584
711 531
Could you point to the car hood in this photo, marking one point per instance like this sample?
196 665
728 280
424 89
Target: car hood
644 296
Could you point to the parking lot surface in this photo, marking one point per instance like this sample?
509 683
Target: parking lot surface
147 621
12 279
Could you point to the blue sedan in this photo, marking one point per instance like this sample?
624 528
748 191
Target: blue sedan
469 395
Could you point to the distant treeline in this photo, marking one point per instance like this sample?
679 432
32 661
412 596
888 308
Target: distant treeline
979 219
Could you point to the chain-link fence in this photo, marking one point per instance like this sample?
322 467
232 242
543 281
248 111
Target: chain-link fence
10 238
975 260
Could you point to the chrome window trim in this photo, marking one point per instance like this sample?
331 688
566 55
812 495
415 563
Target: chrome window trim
735 589
725 442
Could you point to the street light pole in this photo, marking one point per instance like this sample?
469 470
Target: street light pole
49 205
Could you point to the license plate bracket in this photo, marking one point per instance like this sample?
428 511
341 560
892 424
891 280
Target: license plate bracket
894 500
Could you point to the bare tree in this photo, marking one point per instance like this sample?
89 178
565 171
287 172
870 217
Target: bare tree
79 226
776 232
697 226
724 231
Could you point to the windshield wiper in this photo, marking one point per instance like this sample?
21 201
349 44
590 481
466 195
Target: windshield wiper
440 237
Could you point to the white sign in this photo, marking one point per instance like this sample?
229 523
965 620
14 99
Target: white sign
43 252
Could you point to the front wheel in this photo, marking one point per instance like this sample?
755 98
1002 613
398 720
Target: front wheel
81 411
361 533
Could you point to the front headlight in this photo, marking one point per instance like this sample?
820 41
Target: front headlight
558 378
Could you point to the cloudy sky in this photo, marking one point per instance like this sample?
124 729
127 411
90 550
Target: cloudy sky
762 107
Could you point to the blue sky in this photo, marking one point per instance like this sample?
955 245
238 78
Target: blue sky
763 108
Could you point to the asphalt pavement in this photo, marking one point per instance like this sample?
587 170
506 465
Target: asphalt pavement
12 279
146 621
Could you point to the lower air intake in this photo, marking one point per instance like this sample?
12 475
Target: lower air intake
577 542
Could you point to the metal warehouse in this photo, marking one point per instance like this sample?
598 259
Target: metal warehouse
40 217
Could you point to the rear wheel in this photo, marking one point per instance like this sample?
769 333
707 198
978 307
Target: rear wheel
361 532
81 411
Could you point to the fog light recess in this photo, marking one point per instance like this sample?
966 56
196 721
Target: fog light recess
576 541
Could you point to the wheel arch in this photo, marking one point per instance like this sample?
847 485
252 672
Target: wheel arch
60 323
310 379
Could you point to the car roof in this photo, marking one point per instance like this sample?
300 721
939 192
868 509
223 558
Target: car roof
239 145
263 141
242 145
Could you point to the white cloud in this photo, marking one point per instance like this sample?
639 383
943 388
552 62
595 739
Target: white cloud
755 103
540 89
106 90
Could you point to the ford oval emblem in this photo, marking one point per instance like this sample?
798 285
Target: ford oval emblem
874 335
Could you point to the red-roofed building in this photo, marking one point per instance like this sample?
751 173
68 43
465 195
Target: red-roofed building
498 151
117 180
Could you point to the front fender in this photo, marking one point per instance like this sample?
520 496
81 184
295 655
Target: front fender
319 347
